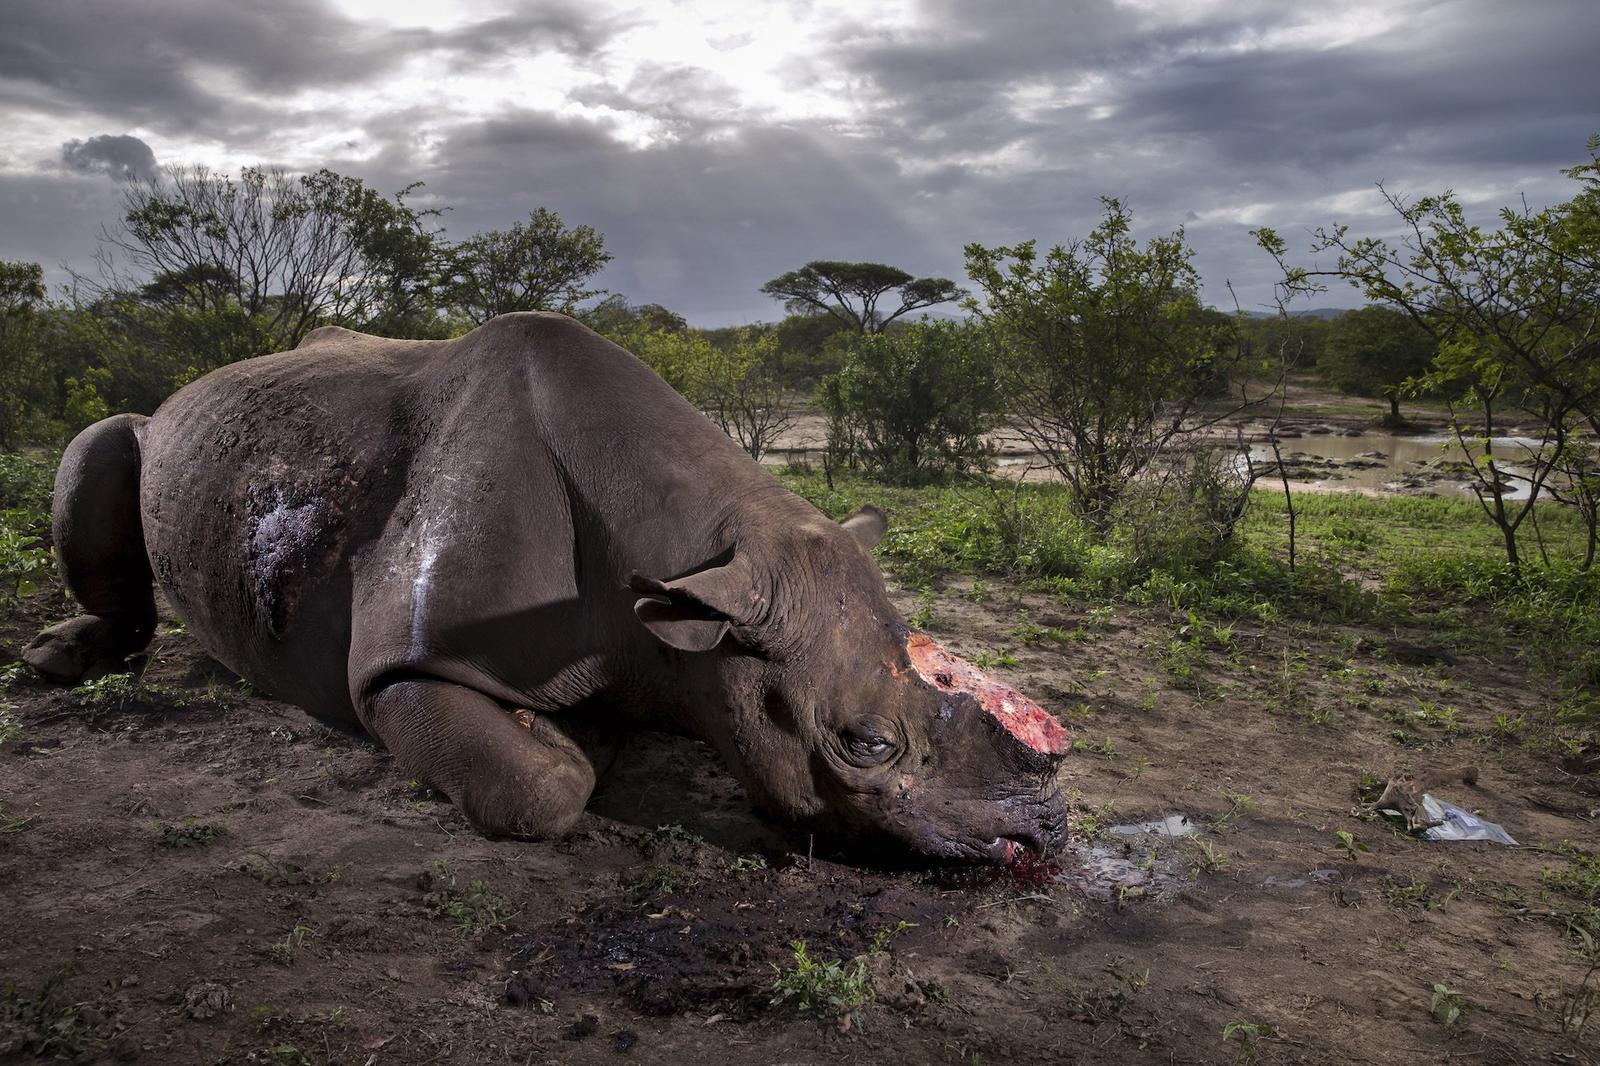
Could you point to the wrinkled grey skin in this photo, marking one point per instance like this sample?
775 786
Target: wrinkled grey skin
498 554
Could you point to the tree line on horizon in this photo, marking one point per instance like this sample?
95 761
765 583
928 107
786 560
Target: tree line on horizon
1098 352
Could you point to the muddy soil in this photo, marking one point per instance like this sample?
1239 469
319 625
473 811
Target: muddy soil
343 915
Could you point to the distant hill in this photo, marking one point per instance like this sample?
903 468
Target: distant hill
1317 312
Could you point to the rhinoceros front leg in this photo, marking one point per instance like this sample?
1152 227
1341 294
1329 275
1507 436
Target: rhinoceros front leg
512 774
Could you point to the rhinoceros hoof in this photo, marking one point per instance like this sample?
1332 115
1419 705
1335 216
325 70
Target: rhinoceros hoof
78 649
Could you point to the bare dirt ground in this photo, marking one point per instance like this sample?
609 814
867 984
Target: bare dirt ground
133 934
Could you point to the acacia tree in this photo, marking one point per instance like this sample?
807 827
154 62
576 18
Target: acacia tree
1375 351
538 265
1515 313
850 292
1105 351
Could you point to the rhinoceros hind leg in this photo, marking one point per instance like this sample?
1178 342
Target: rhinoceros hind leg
512 774
100 547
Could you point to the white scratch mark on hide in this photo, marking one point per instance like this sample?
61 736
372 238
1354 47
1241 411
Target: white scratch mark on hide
430 542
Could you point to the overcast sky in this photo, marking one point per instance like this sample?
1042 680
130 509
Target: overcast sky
717 144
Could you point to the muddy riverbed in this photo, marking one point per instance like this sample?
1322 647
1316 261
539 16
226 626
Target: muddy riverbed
198 874
1318 457
1328 443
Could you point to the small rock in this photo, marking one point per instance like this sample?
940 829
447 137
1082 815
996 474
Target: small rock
893 984
524 989
582 1029
205 1000
622 1041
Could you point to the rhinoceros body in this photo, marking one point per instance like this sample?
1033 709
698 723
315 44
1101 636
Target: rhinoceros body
499 553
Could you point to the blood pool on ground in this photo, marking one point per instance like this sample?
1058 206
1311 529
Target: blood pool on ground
1020 716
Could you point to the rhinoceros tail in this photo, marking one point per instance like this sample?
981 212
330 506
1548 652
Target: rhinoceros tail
99 541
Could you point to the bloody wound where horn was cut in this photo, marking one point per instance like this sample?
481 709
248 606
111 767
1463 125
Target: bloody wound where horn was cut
1017 714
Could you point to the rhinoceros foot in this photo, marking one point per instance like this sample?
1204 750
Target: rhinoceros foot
79 649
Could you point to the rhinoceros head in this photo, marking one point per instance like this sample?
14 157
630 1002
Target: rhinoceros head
839 716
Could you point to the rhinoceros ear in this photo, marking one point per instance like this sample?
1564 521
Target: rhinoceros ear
694 612
867 524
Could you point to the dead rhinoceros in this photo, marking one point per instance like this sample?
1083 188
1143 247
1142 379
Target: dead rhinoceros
496 553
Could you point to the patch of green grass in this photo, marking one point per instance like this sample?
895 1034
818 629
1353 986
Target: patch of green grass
17 673
48 1023
1508 727
1414 893
126 692
1581 877
1032 635
1239 804
14 825
1205 858
1248 1034
472 909
820 986
1181 659
191 834
1447 1004
273 1019
675 832
284 951
10 728
1106 749
925 614
663 879
986 660
1350 845
881 939
746 864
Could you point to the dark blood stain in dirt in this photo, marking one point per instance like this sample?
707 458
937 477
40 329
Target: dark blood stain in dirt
715 945
1115 872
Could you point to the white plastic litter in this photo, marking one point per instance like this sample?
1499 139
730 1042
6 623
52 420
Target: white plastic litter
1457 824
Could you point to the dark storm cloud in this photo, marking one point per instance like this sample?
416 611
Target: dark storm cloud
983 122
697 225
1183 120
123 157
168 63
53 219
144 61
566 28
1496 86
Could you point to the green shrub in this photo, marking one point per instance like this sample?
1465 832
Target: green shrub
914 400
825 986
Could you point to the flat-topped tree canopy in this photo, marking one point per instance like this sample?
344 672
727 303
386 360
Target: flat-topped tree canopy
850 292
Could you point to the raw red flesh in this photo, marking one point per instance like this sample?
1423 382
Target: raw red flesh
1021 717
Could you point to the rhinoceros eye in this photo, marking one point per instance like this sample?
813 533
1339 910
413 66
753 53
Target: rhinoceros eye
867 746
